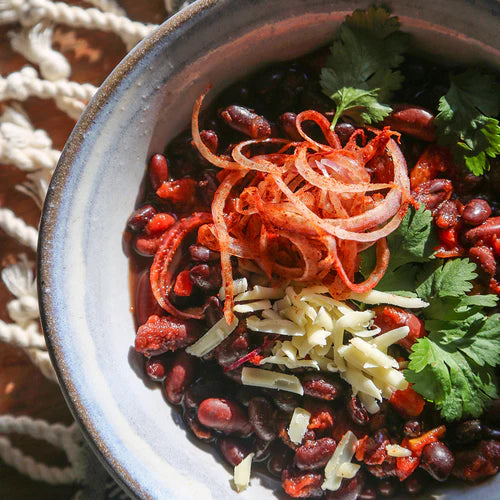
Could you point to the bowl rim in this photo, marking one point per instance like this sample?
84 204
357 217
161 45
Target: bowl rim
48 308
49 216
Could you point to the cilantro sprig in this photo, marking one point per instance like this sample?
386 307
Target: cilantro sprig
466 120
454 365
359 75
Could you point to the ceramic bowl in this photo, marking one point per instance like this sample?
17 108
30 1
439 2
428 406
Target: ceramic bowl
83 271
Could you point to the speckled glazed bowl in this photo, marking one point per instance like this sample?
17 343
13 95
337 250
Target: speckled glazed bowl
83 271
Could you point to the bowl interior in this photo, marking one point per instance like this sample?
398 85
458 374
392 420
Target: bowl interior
83 271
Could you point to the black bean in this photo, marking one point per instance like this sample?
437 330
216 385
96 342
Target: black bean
213 310
368 494
344 131
140 217
437 460
386 487
234 450
287 122
262 417
203 254
468 431
206 277
412 428
280 457
286 401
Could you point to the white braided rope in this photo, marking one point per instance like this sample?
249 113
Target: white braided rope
108 6
31 150
25 83
29 12
14 226
35 44
57 435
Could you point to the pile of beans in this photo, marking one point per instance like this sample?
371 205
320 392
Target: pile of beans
236 419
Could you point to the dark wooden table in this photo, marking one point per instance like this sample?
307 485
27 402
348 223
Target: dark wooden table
23 389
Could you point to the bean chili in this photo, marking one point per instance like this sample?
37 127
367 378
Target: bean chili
237 419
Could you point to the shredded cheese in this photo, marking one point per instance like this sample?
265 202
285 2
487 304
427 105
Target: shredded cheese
241 476
394 450
219 332
377 297
298 425
272 380
239 286
339 461
249 307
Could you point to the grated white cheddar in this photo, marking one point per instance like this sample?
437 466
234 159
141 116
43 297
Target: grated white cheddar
272 380
241 476
377 297
218 333
249 307
394 450
278 326
259 293
298 425
342 455
239 286
348 470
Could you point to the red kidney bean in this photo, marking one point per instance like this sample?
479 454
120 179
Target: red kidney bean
384 470
478 462
357 411
246 121
302 484
210 139
368 494
484 258
321 386
286 401
437 460
447 214
200 431
486 230
282 426
287 122
145 302
279 459
146 245
386 487
350 489
262 450
203 254
344 131
262 417
234 450
412 120
314 454
432 193
156 368
179 377
166 333
468 431
140 217
207 278
207 186
476 212
158 171
224 415
412 428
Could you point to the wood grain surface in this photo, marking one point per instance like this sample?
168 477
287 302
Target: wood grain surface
23 389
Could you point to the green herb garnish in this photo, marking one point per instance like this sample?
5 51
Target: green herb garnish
359 75
466 120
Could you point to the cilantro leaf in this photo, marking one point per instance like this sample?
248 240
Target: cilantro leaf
451 279
359 72
453 366
412 242
466 122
